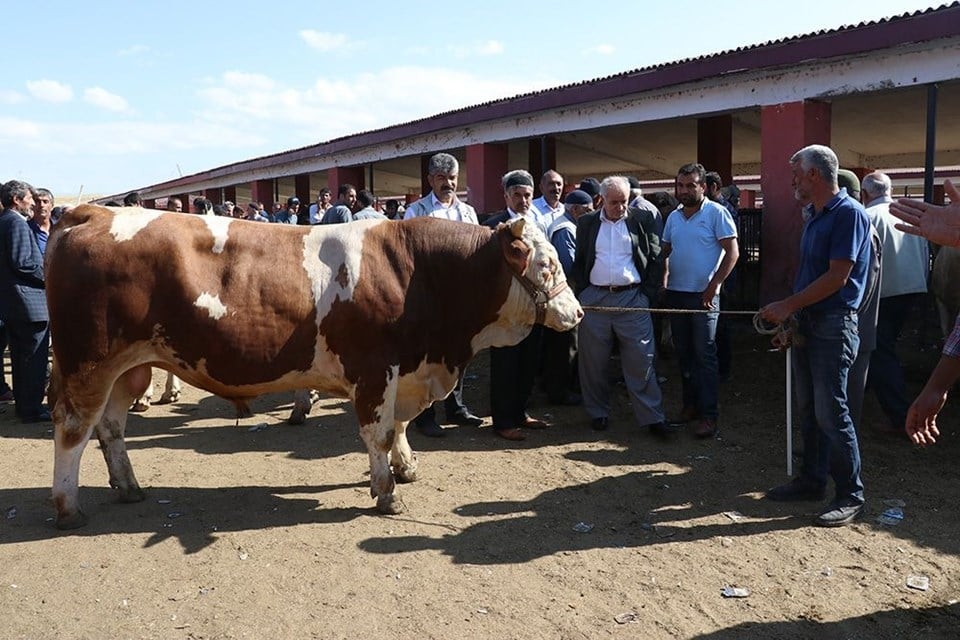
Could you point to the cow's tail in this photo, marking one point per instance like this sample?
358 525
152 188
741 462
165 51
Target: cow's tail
54 387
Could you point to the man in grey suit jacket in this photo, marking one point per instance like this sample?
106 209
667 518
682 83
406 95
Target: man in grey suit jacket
617 265
23 301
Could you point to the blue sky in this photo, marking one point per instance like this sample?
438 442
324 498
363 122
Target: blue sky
117 95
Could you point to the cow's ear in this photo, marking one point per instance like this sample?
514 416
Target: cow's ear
515 251
517 227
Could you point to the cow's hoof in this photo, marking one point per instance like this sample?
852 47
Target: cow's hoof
129 496
297 417
405 474
167 398
71 521
140 407
390 505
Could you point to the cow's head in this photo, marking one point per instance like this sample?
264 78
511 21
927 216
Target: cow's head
536 269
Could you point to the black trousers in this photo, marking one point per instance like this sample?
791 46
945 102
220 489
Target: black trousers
29 353
512 373
559 364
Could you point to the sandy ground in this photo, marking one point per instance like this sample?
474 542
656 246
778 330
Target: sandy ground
261 530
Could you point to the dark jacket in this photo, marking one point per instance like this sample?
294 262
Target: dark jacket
646 250
22 295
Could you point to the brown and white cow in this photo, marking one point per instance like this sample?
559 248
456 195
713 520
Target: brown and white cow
383 313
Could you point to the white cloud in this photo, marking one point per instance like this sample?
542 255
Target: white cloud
331 108
601 49
134 50
485 48
322 40
102 98
50 91
11 97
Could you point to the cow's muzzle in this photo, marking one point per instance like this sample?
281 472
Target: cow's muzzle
541 297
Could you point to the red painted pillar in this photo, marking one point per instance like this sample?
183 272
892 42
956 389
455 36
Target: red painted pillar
230 193
337 176
262 191
715 145
784 130
150 204
301 187
425 186
184 201
213 195
486 164
748 199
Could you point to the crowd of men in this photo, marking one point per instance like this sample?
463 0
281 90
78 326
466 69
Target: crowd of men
628 256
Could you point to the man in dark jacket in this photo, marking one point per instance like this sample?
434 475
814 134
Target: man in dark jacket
23 302
617 265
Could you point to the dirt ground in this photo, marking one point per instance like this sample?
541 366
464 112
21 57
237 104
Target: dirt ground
261 530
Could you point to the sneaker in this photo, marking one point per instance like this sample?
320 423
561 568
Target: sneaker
840 512
797 490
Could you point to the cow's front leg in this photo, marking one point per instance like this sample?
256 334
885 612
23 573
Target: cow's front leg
302 402
171 391
379 438
403 461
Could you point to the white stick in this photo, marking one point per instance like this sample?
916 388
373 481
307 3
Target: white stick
80 194
789 415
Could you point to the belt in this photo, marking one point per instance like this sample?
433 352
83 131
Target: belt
617 288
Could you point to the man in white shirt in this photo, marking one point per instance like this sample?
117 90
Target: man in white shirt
549 206
905 261
442 202
617 265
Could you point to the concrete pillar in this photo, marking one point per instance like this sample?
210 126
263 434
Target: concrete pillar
784 130
486 163
715 145
425 186
541 157
337 176
262 191
748 199
301 188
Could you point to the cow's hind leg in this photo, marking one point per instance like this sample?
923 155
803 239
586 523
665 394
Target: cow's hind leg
70 437
110 432
403 461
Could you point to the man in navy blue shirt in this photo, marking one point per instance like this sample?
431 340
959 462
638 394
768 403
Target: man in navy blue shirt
830 283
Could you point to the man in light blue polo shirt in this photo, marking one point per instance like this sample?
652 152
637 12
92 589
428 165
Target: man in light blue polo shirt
700 246
830 283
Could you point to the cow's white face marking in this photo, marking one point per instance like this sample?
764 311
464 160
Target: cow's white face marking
212 304
218 226
128 221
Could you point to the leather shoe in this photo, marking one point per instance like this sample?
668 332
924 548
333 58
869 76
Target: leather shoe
839 513
707 428
600 424
431 429
532 423
797 490
43 416
466 419
662 429
688 414
511 434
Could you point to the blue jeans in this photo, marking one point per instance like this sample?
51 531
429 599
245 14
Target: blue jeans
821 361
695 339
